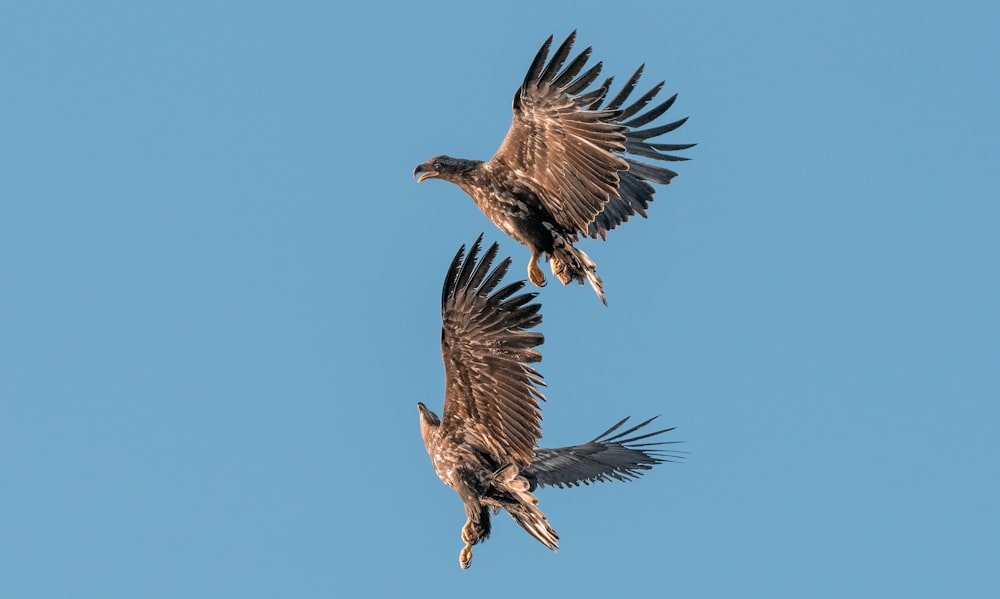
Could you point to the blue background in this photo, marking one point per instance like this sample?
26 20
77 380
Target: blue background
220 290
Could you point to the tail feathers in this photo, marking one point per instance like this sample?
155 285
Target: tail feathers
570 263
534 522
522 507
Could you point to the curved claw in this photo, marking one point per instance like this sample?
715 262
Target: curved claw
534 273
465 557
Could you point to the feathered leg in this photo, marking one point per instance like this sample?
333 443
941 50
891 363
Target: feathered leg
570 263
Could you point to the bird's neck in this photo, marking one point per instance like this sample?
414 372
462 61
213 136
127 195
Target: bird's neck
428 431
471 175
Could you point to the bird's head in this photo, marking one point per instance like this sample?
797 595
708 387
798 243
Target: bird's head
427 417
429 423
445 167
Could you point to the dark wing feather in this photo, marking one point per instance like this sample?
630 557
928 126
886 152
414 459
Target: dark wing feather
580 158
635 193
556 142
603 459
491 391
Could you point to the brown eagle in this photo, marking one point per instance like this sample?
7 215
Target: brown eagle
568 165
484 445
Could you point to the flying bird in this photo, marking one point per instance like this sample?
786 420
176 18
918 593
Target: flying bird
568 166
484 446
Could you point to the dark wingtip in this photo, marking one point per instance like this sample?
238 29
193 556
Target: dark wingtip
536 66
458 267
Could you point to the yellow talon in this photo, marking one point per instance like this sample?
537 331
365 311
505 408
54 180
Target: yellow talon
534 273
467 535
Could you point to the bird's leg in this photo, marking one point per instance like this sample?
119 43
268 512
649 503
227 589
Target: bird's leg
470 537
559 270
469 532
534 273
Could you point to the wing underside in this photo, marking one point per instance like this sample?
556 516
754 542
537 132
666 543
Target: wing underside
582 159
607 457
487 345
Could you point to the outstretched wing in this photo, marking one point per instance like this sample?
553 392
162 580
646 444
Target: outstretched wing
634 193
567 150
603 459
583 159
491 391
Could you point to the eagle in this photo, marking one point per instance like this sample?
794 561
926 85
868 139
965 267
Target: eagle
568 165
484 445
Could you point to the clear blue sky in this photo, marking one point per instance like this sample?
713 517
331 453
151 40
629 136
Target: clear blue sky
220 291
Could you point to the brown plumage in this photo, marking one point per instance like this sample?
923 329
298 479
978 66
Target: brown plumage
484 444
567 167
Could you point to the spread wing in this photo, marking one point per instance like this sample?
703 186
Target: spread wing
491 391
634 193
579 157
560 145
603 459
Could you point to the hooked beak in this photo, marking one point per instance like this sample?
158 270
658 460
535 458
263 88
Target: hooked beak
427 416
427 171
